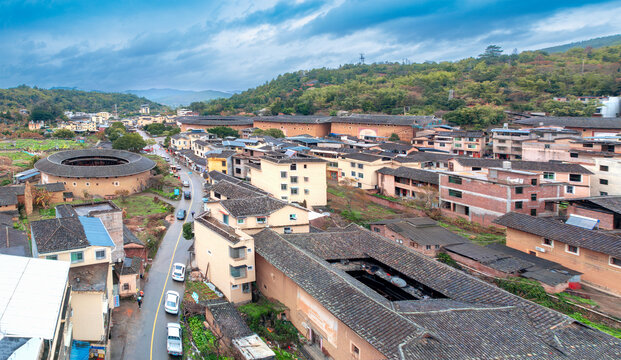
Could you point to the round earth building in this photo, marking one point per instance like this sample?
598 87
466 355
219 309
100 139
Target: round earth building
97 172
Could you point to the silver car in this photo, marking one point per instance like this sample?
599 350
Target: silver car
171 302
178 272
174 345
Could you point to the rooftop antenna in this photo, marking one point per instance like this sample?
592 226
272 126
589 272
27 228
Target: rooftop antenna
361 58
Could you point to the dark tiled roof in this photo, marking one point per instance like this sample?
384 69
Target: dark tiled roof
135 164
234 191
610 203
65 210
394 146
227 319
255 206
363 157
215 120
468 134
568 234
6 219
581 122
294 119
423 157
496 324
52 187
217 176
130 266
221 154
129 237
59 234
425 176
13 242
7 197
524 165
216 226
423 231
89 277
490 257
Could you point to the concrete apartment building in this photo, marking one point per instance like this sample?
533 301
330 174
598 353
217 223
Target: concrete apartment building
297 178
315 126
481 197
35 309
468 143
360 169
546 150
338 289
507 143
407 182
601 156
596 255
225 256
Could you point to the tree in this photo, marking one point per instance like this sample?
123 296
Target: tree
44 111
64 134
569 108
41 197
223 131
276 133
188 232
491 54
393 137
478 116
166 141
33 160
122 194
130 142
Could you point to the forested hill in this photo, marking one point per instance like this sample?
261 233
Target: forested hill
493 81
26 97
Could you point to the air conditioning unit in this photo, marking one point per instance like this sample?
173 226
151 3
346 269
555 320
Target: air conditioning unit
540 249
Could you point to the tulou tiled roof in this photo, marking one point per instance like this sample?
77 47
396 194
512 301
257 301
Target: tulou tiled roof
132 164
568 234
425 176
474 320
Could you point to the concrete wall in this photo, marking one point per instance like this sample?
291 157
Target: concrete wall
368 171
595 266
88 316
306 313
101 186
133 281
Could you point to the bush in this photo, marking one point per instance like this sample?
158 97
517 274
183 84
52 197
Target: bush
448 260
188 231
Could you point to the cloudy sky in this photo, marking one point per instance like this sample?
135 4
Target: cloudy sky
236 44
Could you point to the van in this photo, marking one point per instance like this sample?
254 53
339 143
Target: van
187 195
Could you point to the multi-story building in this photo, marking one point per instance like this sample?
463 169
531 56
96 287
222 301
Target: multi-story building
180 142
297 178
584 126
144 109
220 160
507 143
481 197
469 143
407 182
602 156
35 311
596 255
360 169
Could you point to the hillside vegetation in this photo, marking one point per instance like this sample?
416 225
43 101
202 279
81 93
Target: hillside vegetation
594 43
26 97
482 87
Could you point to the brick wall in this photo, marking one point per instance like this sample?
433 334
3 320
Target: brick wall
606 220
406 133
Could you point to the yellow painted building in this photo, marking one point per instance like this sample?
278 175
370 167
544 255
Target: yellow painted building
360 169
300 179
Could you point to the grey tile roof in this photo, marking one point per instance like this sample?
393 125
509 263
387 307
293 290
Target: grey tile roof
133 164
294 119
58 234
384 119
610 203
234 191
424 176
13 242
524 165
89 277
255 206
65 210
495 325
469 134
216 226
581 122
423 157
425 234
216 176
364 157
568 234
387 146
227 318
52 187
129 237
130 266
7 197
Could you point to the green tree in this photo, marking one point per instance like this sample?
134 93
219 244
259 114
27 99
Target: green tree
223 131
393 137
188 232
45 111
569 108
130 142
491 54
478 116
276 133
64 134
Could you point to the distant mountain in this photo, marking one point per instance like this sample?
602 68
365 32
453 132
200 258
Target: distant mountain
594 43
174 97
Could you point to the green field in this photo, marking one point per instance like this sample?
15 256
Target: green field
140 205
41 145
19 158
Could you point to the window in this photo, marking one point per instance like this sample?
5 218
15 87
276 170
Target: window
533 212
234 287
284 197
238 271
437 247
52 257
476 168
603 182
77 256
533 181
355 351
572 249
241 220
116 183
288 230
360 166
125 286
361 175
575 177
75 184
283 186
427 247
573 155
306 191
293 167
261 220
457 145
294 191
376 229
603 193
225 219
533 197
519 190
294 179
548 242
587 145
353 173
603 168
454 179
87 184
293 217
283 174
518 204
548 175
246 286
546 146
615 261
569 189
305 166
305 178
237 253
343 173
353 164
454 193
100 254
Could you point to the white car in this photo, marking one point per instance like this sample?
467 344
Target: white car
174 345
178 272
171 304
186 183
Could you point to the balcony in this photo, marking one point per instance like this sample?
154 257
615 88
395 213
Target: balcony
237 253
238 272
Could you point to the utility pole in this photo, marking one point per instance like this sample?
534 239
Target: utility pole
361 59
582 71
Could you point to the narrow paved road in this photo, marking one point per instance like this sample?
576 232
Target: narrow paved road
146 334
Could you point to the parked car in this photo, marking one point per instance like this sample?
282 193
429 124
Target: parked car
174 345
186 183
181 214
178 272
187 195
171 304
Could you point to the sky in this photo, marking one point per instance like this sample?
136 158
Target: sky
116 45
